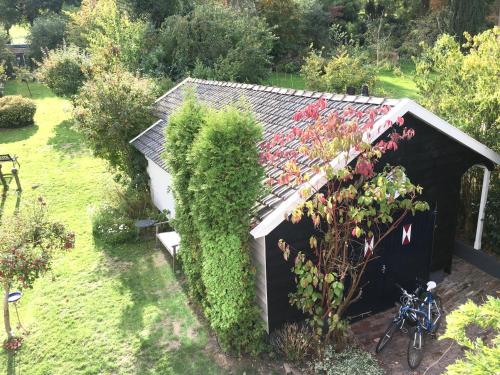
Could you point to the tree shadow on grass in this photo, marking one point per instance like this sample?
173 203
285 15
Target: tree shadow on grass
17 134
66 139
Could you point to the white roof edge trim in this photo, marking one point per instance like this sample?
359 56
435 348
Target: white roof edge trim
157 100
144 131
173 89
451 131
280 214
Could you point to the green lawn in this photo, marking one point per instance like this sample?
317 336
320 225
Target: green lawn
104 310
18 34
389 84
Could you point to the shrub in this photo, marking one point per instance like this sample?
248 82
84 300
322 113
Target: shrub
114 222
16 112
63 70
481 355
110 110
337 73
46 33
226 150
183 127
112 227
229 44
352 361
295 342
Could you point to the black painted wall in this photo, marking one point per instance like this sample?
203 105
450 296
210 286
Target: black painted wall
432 160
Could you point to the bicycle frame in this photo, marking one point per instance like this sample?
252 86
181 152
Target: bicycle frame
424 312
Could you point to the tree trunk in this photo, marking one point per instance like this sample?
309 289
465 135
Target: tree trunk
6 314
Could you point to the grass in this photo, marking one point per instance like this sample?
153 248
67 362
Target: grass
18 34
389 83
103 310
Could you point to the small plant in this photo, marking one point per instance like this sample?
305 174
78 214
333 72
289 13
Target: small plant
63 70
352 361
110 226
16 112
295 342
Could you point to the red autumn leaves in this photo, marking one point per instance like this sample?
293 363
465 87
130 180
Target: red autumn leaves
322 135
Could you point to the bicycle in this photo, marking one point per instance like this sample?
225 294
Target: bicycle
422 311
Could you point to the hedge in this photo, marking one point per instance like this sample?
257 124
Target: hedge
16 112
183 127
226 182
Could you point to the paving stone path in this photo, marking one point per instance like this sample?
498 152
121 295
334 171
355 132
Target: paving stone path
465 282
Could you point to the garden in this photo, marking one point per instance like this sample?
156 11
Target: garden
98 297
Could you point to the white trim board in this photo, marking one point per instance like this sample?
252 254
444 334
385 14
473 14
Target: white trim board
405 106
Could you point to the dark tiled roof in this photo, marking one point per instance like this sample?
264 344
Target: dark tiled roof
273 107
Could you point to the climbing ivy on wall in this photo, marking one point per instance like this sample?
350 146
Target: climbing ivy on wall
214 161
183 127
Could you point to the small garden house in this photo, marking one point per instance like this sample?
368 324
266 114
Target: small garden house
436 158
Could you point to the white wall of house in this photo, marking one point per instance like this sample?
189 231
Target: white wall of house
159 183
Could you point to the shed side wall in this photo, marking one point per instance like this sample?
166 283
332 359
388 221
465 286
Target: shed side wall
159 183
258 255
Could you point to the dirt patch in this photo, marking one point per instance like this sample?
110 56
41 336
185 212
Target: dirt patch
159 259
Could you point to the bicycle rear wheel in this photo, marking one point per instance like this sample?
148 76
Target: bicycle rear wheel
415 348
387 336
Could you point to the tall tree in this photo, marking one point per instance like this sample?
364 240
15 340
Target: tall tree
9 13
33 8
469 16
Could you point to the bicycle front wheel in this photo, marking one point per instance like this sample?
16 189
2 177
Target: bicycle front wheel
387 336
415 348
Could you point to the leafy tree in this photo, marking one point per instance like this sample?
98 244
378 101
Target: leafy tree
226 150
46 33
462 86
116 39
110 110
337 73
182 129
6 57
481 357
31 9
157 11
29 243
64 69
469 16
222 42
9 13
361 204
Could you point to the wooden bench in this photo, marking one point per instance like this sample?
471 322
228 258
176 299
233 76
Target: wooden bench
171 241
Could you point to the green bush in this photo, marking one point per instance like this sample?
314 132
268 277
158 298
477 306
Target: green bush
110 226
184 125
110 110
46 33
337 73
352 361
16 112
226 150
229 44
481 353
63 70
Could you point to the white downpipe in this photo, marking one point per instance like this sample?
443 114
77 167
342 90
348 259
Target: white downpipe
482 208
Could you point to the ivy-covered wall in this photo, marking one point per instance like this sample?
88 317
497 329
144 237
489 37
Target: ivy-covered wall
216 164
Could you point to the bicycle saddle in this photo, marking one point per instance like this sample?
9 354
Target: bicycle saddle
431 285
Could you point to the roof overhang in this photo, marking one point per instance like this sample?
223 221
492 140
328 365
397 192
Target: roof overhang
405 106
